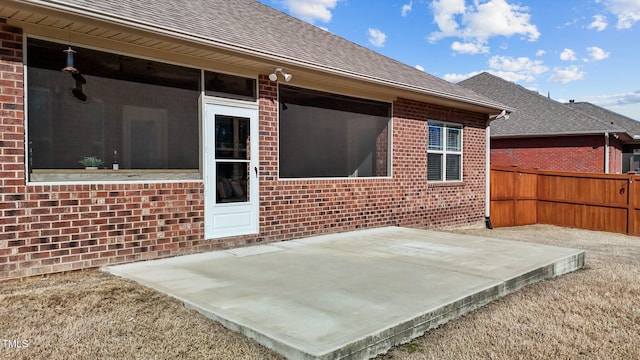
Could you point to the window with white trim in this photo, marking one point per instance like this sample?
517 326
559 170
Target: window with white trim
444 155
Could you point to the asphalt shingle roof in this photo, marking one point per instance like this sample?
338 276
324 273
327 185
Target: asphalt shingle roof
631 126
535 114
252 27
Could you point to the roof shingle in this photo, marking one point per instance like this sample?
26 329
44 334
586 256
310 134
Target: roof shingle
631 126
535 115
247 25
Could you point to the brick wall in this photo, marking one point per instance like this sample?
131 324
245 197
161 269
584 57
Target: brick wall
54 228
297 208
615 155
563 153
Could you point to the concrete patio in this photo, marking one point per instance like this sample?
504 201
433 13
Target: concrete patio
351 295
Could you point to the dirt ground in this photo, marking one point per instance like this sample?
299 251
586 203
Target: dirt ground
590 314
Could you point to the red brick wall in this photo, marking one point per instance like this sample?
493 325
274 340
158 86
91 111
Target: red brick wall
296 208
54 228
564 153
615 156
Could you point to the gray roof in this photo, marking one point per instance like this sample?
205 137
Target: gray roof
631 126
249 27
535 115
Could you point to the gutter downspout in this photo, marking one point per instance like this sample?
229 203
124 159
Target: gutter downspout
487 174
487 171
606 152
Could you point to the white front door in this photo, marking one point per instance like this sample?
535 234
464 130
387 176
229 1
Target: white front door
231 169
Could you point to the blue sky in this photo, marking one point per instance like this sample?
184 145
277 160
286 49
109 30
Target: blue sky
586 50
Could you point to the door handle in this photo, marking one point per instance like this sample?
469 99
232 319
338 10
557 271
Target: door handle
255 168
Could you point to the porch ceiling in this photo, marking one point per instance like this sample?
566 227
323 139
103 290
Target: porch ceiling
71 27
74 28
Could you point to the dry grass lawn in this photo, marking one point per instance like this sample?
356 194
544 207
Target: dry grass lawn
590 314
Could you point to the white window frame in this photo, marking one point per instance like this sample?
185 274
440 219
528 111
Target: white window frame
444 151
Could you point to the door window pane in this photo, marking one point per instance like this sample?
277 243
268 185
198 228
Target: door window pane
232 136
232 182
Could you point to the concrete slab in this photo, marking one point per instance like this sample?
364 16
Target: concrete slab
351 295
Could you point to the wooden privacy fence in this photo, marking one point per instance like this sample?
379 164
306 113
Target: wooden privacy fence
605 202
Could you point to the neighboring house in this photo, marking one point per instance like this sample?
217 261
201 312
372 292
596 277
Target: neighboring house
215 146
546 134
630 143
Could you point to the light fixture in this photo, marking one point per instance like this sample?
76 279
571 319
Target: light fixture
274 75
70 68
503 115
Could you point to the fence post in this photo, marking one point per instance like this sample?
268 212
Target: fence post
631 206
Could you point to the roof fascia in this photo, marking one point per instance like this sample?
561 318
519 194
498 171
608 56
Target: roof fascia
573 133
265 55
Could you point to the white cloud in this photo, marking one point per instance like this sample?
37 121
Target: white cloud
513 76
311 10
377 37
627 104
455 78
597 54
599 23
566 75
568 24
627 11
509 76
406 8
615 99
444 14
520 65
419 67
540 53
629 98
568 55
497 17
469 48
480 21
508 68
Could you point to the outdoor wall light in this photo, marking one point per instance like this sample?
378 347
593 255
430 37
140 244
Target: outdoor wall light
274 76
503 115
70 68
